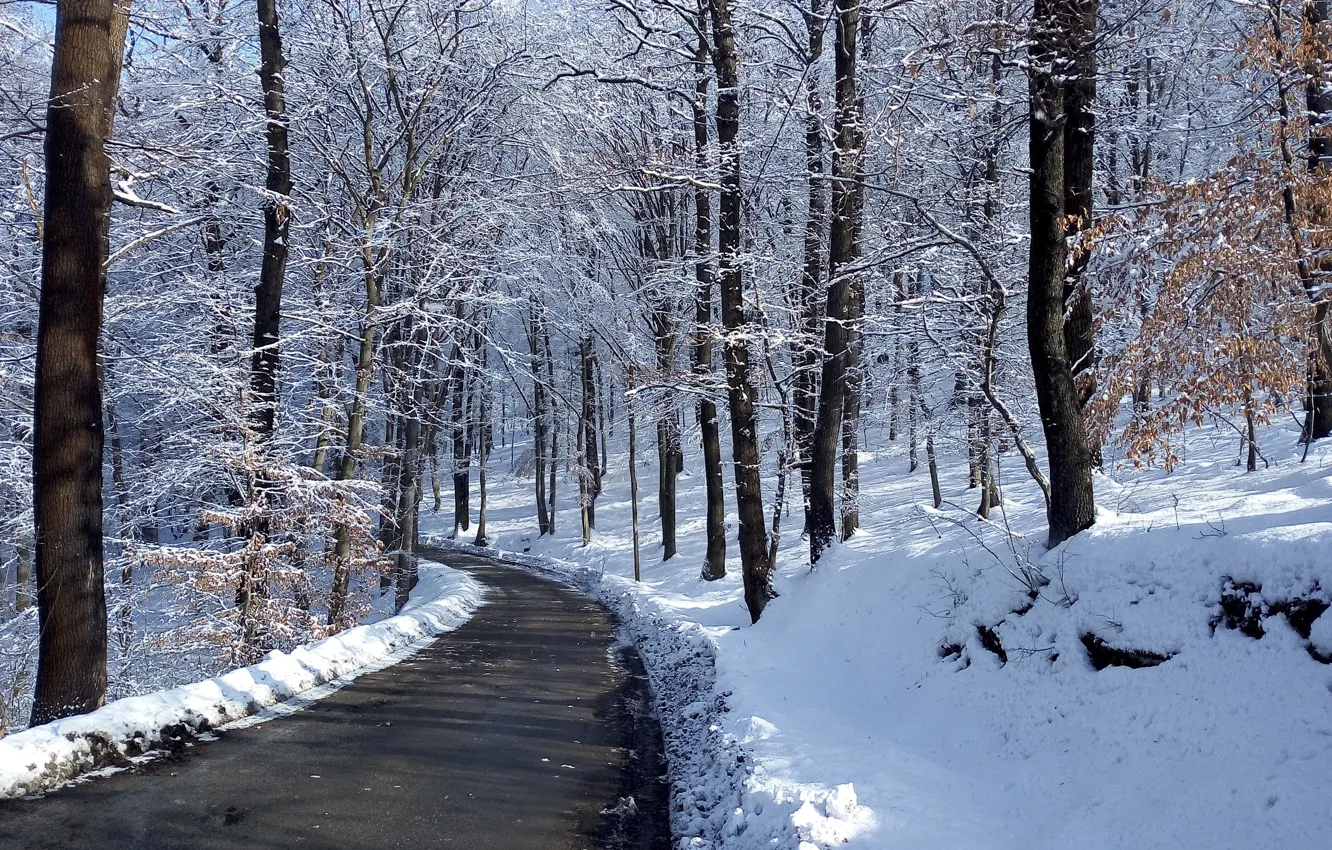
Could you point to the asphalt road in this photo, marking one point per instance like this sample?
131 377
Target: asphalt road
525 728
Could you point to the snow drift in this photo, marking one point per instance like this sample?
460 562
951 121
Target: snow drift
943 682
44 757
719 790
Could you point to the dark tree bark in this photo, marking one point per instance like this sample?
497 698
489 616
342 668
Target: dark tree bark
756 568
67 427
273 270
841 329
806 356
1055 41
1318 397
850 501
540 421
462 449
670 455
554 423
484 448
589 473
1079 159
714 562
633 481
670 463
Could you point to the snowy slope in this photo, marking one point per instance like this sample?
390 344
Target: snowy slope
43 757
871 670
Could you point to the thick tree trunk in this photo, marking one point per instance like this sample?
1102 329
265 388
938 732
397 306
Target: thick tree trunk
277 221
714 561
1054 42
1079 159
756 568
1318 38
67 413
841 329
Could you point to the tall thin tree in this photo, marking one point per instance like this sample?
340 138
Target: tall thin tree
845 304
755 566
714 561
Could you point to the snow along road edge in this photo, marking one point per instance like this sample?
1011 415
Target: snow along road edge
45 757
708 768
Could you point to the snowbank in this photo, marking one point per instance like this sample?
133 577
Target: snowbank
720 790
1167 687
43 757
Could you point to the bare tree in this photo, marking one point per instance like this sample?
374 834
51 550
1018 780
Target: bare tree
1058 34
754 560
67 430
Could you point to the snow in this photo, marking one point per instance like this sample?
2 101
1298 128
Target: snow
838 721
44 757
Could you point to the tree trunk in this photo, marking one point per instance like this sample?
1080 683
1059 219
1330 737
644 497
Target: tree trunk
365 367
462 454
714 562
602 394
589 458
273 269
633 483
67 412
1079 159
391 473
841 330
670 457
783 477
806 355
22 575
1318 37
483 450
584 488
1071 509
756 568
670 464
539 422
850 502
1251 430
409 495
554 424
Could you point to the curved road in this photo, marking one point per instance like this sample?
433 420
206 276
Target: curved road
527 728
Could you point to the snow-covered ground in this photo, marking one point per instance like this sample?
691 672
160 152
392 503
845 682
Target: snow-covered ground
43 757
867 712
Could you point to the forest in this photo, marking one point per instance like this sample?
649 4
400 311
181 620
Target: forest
290 289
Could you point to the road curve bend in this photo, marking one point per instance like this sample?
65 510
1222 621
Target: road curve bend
526 729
